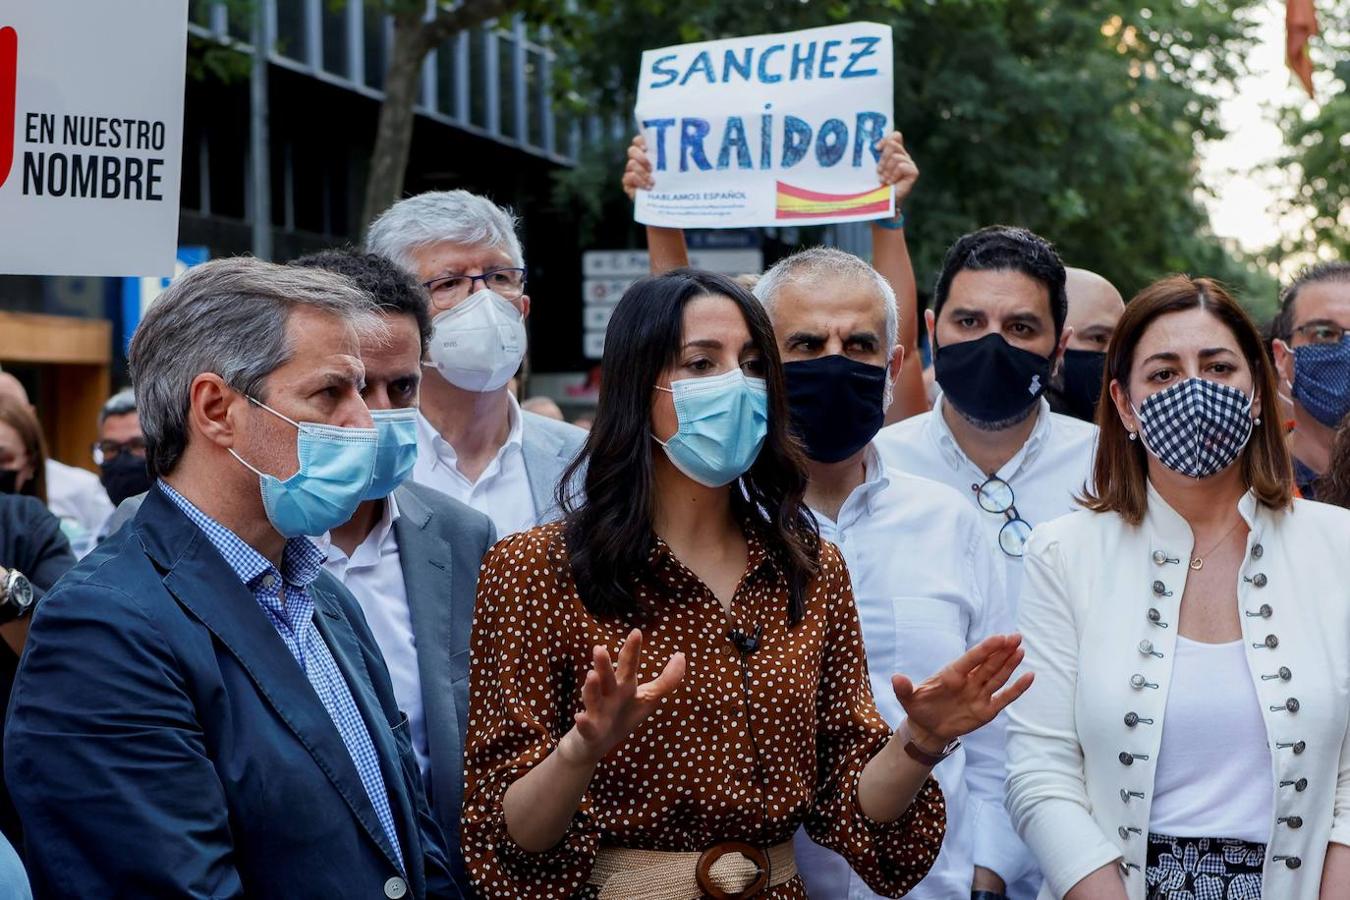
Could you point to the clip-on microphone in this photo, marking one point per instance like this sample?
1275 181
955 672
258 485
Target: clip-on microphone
746 643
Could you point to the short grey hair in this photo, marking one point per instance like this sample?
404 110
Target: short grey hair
456 217
119 404
827 264
229 317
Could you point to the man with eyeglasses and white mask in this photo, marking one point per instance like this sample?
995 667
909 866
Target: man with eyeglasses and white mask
475 443
998 332
926 579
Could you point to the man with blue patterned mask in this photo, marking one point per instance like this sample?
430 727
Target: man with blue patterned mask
1312 352
206 635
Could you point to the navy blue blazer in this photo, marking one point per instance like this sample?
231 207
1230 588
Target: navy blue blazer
162 742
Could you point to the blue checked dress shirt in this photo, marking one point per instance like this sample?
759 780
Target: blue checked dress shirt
285 600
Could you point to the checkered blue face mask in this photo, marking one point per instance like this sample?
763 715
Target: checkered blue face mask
1196 427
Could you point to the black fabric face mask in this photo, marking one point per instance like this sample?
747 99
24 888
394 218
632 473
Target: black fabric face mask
836 404
990 381
9 480
126 476
1081 378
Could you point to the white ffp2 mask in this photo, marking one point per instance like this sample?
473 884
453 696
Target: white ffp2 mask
478 345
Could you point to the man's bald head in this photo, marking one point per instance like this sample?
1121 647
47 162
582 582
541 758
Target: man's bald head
13 389
1095 306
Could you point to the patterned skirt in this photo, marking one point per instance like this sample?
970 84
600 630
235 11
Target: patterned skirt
1203 868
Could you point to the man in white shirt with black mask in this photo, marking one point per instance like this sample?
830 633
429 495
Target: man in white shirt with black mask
998 333
474 441
926 579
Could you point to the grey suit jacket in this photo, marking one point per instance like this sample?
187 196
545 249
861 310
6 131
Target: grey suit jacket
441 544
549 446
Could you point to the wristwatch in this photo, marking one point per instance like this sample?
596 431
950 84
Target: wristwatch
16 595
921 755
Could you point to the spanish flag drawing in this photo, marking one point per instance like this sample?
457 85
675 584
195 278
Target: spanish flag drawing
799 203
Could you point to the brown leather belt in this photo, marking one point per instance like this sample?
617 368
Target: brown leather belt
729 870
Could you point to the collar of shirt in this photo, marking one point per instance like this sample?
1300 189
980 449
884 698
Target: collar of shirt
443 453
942 436
863 498
301 561
367 553
669 571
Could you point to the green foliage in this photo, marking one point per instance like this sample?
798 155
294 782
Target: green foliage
1079 119
1319 148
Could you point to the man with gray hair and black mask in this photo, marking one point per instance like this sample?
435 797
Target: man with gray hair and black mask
475 443
926 579
201 709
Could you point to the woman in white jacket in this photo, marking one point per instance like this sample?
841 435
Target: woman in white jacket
1190 634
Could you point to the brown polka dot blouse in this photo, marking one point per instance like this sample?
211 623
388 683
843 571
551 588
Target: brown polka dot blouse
745 749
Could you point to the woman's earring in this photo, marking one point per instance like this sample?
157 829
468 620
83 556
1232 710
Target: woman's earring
1134 436
1257 420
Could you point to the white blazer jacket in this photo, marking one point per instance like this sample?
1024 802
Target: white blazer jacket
1099 604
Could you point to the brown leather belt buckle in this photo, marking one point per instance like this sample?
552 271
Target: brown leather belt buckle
703 871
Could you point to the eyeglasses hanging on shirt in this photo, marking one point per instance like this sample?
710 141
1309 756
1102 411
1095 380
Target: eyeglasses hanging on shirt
996 496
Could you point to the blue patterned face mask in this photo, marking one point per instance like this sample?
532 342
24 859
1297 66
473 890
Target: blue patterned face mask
723 423
397 450
336 465
1322 380
1196 427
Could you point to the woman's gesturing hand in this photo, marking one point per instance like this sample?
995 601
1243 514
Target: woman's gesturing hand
614 703
964 695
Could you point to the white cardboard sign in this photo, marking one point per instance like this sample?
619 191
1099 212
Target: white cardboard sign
91 135
774 129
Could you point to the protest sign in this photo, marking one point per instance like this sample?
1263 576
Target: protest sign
91 136
775 129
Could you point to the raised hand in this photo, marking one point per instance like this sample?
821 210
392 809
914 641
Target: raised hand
614 702
896 167
964 695
637 173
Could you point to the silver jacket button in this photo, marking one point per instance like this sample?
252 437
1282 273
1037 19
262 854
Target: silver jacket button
1259 580
1154 615
1159 588
1258 551
395 888
1159 558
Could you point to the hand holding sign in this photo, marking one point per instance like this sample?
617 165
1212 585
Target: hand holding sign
897 167
637 174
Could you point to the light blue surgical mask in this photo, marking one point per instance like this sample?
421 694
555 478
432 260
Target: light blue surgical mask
723 421
398 450
336 466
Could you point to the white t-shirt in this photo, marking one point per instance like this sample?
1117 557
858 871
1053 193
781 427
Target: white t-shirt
1213 777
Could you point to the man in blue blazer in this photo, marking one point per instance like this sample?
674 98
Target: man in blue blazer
201 709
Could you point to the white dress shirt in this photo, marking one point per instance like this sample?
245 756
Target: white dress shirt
374 575
1046 475
77 498
502 492
928 587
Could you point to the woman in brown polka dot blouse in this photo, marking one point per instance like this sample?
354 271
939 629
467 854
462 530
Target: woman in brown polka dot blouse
738 707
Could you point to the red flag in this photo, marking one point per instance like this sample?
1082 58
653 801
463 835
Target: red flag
1300 23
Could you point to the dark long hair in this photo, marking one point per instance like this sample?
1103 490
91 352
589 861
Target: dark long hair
1120 471
609 531
21 418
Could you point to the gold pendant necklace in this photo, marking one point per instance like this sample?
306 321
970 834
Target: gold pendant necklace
1198 562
